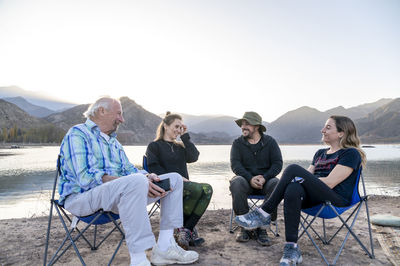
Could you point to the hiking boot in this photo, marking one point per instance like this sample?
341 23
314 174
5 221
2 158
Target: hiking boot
183 237
174 255
262 237
243 235
274 215
253 220
291 255
195 240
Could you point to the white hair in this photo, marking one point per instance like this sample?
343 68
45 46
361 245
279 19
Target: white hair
104 102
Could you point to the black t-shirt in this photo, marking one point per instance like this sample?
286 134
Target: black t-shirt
324 164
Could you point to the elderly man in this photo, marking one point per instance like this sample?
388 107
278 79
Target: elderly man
96 174
256 160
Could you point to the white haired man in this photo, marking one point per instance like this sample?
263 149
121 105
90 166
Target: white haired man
96 174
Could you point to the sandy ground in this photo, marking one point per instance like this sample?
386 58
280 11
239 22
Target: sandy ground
23 240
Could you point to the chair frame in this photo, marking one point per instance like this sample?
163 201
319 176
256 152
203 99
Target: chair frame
98 218
253 200
328 211
156 206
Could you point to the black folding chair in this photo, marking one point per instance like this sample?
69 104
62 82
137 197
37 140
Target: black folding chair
329 211
156 204
253 201
73 234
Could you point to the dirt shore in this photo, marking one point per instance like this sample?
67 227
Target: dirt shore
23 241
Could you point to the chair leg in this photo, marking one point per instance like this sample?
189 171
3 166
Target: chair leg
48 233
231 228
72 241
371 255
276 231
94 238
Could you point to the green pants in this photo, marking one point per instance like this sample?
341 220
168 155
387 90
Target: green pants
196 197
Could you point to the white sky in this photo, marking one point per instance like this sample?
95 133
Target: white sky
205 56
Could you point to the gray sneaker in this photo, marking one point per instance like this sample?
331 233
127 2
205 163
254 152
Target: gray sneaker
174 255
253 220
291 255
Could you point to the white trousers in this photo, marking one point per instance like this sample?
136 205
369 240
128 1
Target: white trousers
127 196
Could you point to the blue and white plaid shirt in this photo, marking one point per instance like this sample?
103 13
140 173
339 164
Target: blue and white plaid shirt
86 156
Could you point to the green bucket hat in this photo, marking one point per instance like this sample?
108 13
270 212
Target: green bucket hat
253 119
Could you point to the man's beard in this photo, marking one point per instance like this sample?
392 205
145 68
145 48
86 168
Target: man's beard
249 135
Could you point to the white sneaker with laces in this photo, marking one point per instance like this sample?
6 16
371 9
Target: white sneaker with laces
174 254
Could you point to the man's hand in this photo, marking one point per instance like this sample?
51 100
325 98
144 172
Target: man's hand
257 182
154 190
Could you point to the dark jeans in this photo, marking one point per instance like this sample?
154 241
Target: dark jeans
297 196
240 189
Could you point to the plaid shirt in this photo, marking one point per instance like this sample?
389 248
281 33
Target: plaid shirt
86 156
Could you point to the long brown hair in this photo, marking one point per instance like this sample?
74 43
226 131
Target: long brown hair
350 137
168 120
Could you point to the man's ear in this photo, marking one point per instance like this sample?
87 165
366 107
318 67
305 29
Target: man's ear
101 111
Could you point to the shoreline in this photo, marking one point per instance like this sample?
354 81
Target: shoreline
26 238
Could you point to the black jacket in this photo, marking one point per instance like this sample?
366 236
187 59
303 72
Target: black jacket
265 161
166 157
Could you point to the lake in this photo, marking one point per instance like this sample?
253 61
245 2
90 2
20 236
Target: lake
27 174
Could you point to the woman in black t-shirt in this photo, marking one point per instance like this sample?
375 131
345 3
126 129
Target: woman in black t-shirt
331 176
165 155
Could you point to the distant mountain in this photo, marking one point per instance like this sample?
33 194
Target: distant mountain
382 125
214 125
363 110
36 98
303 125
211 138
32 109
11 115
224 124
191 120
140 125
69 117
18 126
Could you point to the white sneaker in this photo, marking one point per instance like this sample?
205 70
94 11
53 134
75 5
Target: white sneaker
174 254
143 263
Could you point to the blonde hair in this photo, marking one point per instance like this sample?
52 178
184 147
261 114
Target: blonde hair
168 120
350 137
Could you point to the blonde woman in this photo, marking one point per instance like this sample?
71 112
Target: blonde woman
166 155
331 176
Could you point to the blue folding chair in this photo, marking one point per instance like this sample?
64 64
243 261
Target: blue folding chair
329 211
253 201
156 204
73 234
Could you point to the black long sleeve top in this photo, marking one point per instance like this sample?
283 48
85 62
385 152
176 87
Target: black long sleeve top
263 158
166 157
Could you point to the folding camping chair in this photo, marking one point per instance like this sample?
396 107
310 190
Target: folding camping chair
329 211
156 204
73 234
253 203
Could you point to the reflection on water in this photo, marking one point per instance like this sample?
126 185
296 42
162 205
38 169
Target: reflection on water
26 176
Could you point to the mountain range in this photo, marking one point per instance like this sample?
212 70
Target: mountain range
35 98
377 122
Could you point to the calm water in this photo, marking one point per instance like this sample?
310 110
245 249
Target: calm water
27 175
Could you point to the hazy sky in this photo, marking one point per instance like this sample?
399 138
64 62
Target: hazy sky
205 57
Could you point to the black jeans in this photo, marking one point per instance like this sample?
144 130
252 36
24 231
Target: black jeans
297 196
241 189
